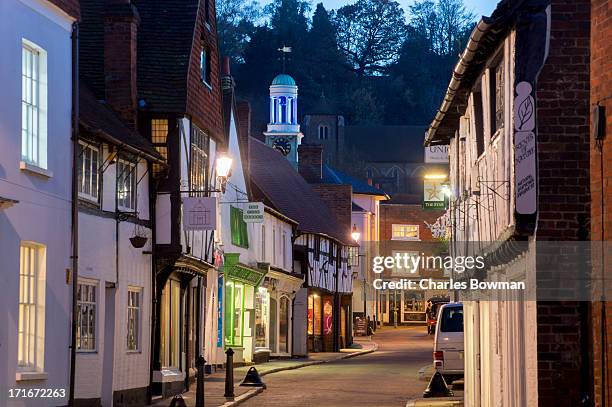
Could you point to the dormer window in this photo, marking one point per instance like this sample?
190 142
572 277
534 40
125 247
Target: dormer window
323 132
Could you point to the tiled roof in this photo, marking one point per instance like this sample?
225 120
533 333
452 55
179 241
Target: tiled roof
165 38
386 143
287 192
333 176
99 120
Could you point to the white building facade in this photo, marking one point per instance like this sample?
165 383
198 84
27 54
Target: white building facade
35 198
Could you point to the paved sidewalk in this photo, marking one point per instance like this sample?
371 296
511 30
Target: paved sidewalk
214 384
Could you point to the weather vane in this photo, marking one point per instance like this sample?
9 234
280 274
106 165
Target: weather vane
285 50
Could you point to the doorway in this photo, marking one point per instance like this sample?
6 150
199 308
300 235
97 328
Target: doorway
109 345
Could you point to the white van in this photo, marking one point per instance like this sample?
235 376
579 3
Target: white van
448 342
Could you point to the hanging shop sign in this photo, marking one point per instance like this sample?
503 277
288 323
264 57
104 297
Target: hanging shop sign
433 194
253 212
436 154
199 213
239 272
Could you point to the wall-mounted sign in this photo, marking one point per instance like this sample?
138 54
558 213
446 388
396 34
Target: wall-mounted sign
524 150
433 194
253 212
436 154
220 287
199 213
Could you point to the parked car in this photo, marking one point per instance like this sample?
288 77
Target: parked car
433 306
448 343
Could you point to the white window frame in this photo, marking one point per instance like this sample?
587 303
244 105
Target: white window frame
33 105
89 304
132 309
88 148
404 233
126 199
403 272
31 323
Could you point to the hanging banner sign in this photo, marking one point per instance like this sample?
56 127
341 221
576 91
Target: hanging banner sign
436 154
199 213
253 212
433 194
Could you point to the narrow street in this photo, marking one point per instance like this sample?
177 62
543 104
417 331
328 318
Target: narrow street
387 377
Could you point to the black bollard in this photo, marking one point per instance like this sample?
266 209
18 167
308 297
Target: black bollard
229 374
200 362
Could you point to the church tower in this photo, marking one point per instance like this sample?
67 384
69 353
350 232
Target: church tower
283 132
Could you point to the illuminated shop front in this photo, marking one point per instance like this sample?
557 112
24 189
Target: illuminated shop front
408 306
241 282
320 322
273 310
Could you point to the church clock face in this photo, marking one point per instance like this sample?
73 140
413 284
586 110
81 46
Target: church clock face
282 145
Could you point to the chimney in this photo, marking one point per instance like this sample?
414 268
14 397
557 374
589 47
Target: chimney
120 30
243 114
227 81
310 162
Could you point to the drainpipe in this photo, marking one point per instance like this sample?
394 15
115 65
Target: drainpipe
152 209
75 205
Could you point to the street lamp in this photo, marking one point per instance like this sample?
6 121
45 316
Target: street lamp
355 234
224 170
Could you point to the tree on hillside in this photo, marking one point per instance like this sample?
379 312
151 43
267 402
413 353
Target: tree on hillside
370 33
325 64
235 25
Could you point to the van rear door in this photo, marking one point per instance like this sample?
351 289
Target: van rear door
449 337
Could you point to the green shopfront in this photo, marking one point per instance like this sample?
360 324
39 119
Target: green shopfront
241 283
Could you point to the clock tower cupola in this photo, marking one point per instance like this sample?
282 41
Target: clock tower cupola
283 133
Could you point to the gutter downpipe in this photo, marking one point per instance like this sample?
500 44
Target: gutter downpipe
75 206
464 61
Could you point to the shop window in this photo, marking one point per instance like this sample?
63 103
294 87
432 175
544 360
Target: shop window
234 311
170 324
31 327
240 235
404 232
310 315
262 315
283 327
414 306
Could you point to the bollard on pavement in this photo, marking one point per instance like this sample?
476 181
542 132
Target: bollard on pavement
200 362
229 374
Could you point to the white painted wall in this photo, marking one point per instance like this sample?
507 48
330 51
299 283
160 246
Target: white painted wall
43 212
98 245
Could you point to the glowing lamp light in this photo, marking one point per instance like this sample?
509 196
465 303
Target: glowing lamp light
435 176
224 169
355 234
447 191
224 165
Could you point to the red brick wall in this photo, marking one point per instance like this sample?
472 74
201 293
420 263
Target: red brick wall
120 41
204 103
338 198
406 214
564 195
310 162
70 7
601 215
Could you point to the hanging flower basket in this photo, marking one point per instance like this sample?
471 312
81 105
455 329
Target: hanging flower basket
138 241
